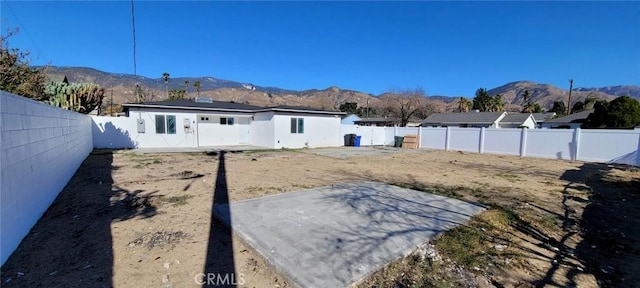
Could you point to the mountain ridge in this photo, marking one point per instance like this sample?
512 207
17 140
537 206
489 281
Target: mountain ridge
121 85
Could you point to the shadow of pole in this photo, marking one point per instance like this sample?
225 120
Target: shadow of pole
219 270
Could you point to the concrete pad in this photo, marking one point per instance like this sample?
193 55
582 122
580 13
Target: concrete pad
350 152
338 235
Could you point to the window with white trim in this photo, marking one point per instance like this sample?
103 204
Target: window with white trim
165 124
297 125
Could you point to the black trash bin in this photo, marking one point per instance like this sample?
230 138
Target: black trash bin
398 141
349 139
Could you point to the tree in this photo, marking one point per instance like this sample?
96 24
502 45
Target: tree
483 100
177 94
349 107
532 107
79 97
407 104
17 76
186 86
559 108
496 104
464 105
197 86
165 78
141 95
526 97
588 103
622 112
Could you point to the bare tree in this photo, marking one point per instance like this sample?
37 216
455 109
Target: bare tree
407 104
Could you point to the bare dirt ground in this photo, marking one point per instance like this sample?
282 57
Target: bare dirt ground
129 220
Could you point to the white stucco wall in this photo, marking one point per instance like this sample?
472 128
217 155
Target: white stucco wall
114 132
319 131
149 139
262 130
41 147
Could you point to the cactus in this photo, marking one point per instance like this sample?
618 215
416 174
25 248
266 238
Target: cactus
79 97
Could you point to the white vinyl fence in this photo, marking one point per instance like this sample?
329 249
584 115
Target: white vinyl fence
611 145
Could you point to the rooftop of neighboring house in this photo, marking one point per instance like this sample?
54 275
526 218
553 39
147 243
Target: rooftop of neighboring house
378 120
542 117
573 118
213 105
515 118
463 118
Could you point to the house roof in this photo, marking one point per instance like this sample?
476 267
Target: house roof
515 118
186 104
463 118
573 118
377 120
542 117
189 104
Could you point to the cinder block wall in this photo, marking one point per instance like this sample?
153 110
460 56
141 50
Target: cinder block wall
41 148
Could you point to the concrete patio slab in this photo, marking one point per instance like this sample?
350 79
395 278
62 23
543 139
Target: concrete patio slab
336 236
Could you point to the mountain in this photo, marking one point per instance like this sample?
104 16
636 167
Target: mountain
629 90
544 94
121 86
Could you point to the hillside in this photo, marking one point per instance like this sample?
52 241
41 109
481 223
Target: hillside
121 86
628 90
544 94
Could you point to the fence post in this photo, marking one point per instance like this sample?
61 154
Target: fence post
576 144
481 147
419 136
638 151
523 142
447 139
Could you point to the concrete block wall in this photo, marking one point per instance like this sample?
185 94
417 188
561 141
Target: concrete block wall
41 147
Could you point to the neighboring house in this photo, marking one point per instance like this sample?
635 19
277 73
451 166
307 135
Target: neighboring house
470 119
518 120
205 123
568 122
350 119
543 117
379 121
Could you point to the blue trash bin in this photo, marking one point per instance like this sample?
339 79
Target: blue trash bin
357 141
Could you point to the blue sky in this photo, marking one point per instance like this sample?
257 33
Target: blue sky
446 48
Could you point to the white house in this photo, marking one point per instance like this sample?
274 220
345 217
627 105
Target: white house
518 120
207 123
350 119
470 119
476 119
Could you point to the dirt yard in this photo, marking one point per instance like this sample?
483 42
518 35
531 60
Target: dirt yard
129 220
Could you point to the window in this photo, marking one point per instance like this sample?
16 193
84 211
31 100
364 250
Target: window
297 125
165 124
226 121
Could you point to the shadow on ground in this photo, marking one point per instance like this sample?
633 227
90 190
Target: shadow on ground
610 225
71 246
219 269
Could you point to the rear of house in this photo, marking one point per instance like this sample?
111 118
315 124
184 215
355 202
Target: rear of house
208 123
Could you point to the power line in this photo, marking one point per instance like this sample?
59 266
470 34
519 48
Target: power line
133 23
135 68
23 28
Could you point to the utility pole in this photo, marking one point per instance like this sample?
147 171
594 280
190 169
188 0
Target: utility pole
367 107
569 104
111 110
